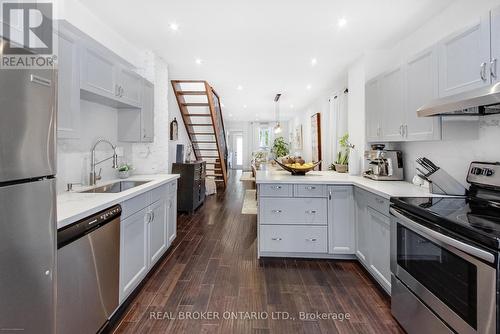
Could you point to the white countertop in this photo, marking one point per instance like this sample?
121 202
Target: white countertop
386 189
73 206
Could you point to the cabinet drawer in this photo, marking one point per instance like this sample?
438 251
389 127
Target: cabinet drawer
159 193
276 190
293 211
379 203
310 190
300 239
135 204
172 187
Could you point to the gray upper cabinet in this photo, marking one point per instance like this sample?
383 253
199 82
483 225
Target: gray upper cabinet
98 73
464 59
137 125
147 111
129 86
68 93
421 87
393 108
495 44
373 110
107 79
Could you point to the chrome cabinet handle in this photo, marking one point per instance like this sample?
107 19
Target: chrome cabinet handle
276 187
380 201
483 71
493 68
330 195
276 211
152 216
147 217
276 239
311 212
406 130
311 239
310 188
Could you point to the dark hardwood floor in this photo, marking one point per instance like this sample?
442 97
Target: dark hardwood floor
213 267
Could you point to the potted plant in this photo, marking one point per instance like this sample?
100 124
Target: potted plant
280 148
341 165
124 170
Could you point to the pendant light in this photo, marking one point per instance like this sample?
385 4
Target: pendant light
277 128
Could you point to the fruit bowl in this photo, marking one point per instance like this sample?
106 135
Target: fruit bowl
298 170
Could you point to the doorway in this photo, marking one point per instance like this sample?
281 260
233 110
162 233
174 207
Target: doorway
237 146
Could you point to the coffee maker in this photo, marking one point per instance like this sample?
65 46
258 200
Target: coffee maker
384 165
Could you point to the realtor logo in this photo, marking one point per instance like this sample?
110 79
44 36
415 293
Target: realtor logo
26 40
27 27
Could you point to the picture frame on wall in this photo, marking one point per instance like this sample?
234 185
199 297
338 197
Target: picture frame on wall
316 138
297 139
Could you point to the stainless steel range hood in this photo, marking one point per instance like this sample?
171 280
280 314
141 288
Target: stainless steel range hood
483 101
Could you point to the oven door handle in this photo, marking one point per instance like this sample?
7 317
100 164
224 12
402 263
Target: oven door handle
468 249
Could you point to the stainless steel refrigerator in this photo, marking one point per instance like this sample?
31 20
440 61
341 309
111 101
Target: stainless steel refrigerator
27 201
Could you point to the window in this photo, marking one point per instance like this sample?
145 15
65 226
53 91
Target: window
264 137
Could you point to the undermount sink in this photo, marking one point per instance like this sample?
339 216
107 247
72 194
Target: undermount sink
116 187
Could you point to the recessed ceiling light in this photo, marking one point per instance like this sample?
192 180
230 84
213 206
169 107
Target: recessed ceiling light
342 22
308 87
198 61
292 106
240 87
174 26
314 61
245 106
257 119
230 115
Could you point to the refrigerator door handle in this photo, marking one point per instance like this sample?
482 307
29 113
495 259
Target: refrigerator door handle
40 80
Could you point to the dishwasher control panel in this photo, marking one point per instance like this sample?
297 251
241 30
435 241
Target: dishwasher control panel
82 227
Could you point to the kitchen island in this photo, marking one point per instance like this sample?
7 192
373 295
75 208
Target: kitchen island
325 214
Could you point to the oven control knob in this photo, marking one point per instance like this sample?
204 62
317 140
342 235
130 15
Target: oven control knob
476 171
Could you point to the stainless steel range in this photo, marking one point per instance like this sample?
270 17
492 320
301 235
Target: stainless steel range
444 258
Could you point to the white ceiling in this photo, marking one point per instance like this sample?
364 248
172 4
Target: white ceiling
266 46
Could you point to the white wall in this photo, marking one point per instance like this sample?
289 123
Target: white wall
183 135
320 105
454 156
356 116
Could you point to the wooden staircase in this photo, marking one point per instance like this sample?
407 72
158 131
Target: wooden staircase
202 115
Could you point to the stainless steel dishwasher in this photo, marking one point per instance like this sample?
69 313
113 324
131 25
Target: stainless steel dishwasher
88 255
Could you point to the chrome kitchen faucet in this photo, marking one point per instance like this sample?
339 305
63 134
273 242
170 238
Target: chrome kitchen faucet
93 177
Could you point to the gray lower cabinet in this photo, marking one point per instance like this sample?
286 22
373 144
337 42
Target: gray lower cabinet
293 239
68 82
341 220
380 247
157 230
373 236
146 232
133 252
